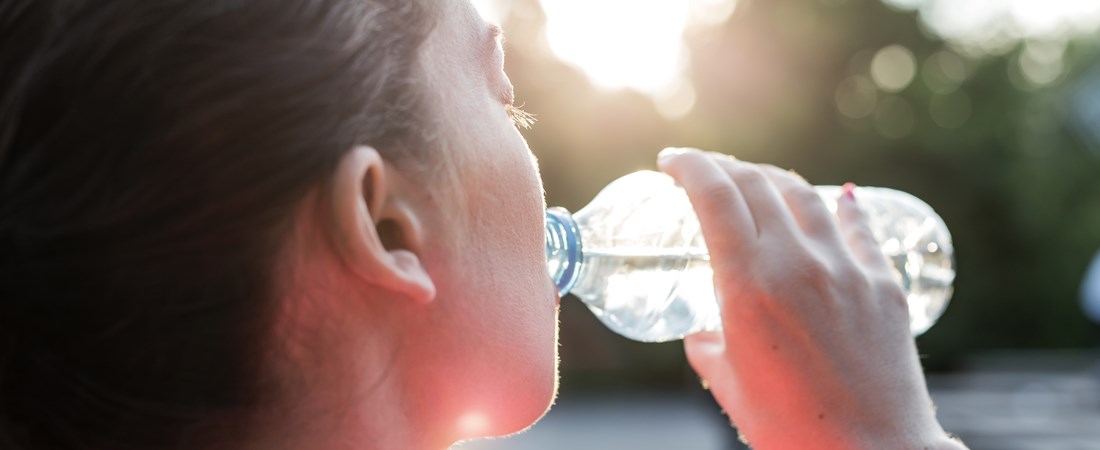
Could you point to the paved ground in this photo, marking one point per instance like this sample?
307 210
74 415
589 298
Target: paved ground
639 422
1005 402
1023 402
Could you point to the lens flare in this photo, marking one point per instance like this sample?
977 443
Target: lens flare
473 424
630 44
620 43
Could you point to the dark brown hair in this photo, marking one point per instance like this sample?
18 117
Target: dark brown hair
151 155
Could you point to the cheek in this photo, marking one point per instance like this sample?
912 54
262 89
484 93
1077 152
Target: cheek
495 317
507 200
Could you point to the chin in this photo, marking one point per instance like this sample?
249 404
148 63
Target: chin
526 409
520 396
533 398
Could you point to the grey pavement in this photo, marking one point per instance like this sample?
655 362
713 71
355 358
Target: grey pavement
644 421
1011 401
1023 401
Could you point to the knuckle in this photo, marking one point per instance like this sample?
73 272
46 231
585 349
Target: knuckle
683 164
751 179
847 276
803 195
854 280
885 280
887 287
813 270
787 176
717 191
865 285
776 173
895 301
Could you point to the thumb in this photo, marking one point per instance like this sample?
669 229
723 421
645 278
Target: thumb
706 352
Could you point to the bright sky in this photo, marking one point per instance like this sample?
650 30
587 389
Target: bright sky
641 49
629 43
993 25
624 43
638 44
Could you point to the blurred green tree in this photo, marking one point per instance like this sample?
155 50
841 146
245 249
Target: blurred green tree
852 90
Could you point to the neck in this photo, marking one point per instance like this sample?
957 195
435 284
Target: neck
344 388
377 416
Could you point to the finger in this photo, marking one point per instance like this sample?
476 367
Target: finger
856 228
814 218
724 217
769 210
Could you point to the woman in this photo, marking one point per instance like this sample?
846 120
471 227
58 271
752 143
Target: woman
300 224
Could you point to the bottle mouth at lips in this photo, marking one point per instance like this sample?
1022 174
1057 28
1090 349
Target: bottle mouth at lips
563 249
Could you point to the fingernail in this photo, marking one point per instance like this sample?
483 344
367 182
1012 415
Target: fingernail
670 152
850 191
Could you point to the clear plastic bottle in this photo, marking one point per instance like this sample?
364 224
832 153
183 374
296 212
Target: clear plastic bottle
636 256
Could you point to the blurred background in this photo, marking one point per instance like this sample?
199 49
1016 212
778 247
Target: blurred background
989 110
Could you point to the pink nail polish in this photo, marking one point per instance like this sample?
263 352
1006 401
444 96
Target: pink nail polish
850 191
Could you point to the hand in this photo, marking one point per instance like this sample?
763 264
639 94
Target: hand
815 350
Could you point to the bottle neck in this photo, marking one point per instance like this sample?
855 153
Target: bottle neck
563 249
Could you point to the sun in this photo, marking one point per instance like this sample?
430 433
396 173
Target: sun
620 43
627 44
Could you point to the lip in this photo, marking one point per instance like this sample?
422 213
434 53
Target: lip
553 289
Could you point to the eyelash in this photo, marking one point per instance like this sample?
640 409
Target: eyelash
521 118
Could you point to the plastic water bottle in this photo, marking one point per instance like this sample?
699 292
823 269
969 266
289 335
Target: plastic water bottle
636 256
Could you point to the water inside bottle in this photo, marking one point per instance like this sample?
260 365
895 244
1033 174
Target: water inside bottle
650 295
926 274
636 258
657 296
662 294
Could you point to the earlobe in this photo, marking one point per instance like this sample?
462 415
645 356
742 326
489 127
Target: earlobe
363 202
416 283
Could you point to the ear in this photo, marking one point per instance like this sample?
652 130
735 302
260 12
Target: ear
377 234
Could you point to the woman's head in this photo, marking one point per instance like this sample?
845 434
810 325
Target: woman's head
224 215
